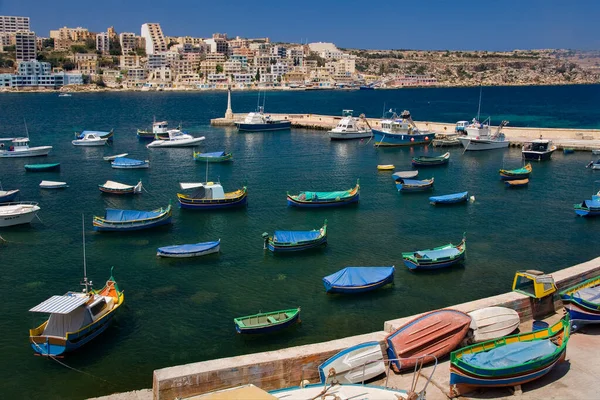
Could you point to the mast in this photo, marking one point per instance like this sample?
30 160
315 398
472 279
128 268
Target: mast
479 107
258 101
85 282
26 130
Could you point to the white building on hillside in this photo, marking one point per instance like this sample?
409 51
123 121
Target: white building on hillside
155 40
9 24
102 42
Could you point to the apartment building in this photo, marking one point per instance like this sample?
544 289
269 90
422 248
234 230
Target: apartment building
25 44
9 24
86 63
103 42
216 57
245 79
279 69
232 67
129 61
7 39
36 74
261 64
218 44
242 59
208 67
155 40
128 42
65 37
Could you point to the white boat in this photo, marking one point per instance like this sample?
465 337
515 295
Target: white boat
479 137
65 95
596 152
110 158
17 213
348 128
53 185
594 165
159 128
493 322
355 364
347 391
90 139
177 139
19 147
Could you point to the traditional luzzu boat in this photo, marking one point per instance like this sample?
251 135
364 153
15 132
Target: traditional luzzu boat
358 279
132 220
129 163
454 198
515 174
101 134
189 250
439 257
267 322
75 318
429 161
413 185
401 131
582 301
217 156
589 208
325 199
210 195
509 361
42 167
287 241
113 187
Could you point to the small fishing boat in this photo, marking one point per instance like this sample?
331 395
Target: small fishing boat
348 128
355 364
159 130
129 163
287 241
428 161
517 183
413 185
589 208
400 131
176 138
113 187
405 175
358 279
217 156
19 147
64 95
385 167
210 195
493 322
538 150
454 198
436 333
259 122
515 174
568 150
90 139
446 140
189 250
479 137
8 195
132 220
267 322
596 152
19 213
42 167
582 301
508 361
111 158
594 165
324 199
439 257
53 185
101 134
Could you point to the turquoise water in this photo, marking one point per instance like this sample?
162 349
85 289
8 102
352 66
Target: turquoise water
181 311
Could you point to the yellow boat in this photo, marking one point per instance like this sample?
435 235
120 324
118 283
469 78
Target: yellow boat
386 167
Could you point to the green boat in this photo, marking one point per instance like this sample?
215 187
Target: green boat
217 156
267 322
42 167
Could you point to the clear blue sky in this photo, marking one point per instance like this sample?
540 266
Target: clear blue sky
420 24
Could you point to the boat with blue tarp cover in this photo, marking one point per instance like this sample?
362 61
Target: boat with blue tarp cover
428 161
509 361
216 156
589 208
102 134
286 241
132 220
450 198
439 257
400 131
515 174
267 322
358 279
325 199
413 185
129 163
189 250
582 301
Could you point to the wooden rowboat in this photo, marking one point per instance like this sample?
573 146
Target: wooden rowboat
517 183
325 199
405 175
461 197
426 161
355 364
286 241
413 185
53 185
42 167
385 167
439 257
132 220
582 301
112 187
218 156
110 158
515 174
358 279
189 250
267 322
493 322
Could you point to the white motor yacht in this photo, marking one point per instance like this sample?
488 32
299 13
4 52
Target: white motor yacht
90 139
348 128
177 138
19 147
17 213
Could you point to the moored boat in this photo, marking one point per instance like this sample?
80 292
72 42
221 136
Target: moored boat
596 152
288 241
493 322
538 150
113 187
589 208
176 138
210 195
479 137
454 198
446 140
90 139
19 147
217 156
582 302
42 167
259 122
438 257
18 213
7 195
401 131
517 182
325 199
111 158
267 322
515 174
568 150
348 128
594 165
355 364
358 279
426 161
159 129
189 250
405 175
385 167
129 163
53 185
101 134
132 220
413 185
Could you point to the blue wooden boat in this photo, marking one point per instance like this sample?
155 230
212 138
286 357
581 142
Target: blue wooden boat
582 301
568 151
450 198
8 195
42 167
287 241
216 156
129 163
189 250
102 134
132 220
429 161
267 322
515 174
325 199
413 185
210 195
401 131
358 279
439 257
589 208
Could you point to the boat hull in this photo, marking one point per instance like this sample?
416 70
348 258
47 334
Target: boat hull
472 144
175 143
351 364
582 315
394 139
449 199
113 227
89 143
349 135
41 168
137 166
275 248
537 155
344 391
268 328
358 289
31 152
493 322
203 204
585 211
12 219
275 126
166 253
434 265
9 196
316 204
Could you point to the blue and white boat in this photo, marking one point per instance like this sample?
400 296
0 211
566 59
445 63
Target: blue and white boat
102 134
286 241
589 208
132 220
358 279
129 163
355 364
401 131
450 198
7 195
189 250
414 185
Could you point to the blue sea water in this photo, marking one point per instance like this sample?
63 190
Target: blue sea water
181 311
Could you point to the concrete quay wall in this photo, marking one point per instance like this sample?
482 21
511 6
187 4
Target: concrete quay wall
288 367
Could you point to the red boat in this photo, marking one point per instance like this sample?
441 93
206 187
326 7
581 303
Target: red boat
436 333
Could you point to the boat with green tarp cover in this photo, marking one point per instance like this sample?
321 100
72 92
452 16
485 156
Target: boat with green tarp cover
42 167
509 361
582 301
286 241
514 174
325 199
425 161
216 156
267 322
439 257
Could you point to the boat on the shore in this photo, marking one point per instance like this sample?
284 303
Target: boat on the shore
515 174
538 150
438 257
176 138
132 220
159 131
19 147
454 198
102 134
189 250
42 167
414 185
129 163
348 128
582 302
483 139
493 322
18 213
355 364
358 279
401 131
517 182
216 156
112 187
325 199
53 185
210 195
267 322
428 161
288 241
90 139
111 158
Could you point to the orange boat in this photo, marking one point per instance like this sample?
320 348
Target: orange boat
436 333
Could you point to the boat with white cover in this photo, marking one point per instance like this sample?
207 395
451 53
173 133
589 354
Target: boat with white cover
177 138
17 213
110 158
19 147
90 139
113 187
53 185
493 322
348 128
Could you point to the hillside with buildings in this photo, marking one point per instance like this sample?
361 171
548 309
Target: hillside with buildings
77 59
